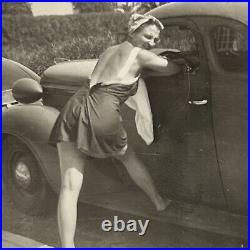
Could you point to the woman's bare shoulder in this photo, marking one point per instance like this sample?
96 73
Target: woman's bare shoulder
112 47
110 50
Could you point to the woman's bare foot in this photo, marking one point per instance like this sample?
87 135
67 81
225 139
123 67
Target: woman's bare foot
162 204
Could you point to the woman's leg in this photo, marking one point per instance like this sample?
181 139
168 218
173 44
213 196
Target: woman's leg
142 178
72 167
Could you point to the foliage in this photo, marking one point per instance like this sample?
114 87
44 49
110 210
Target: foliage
16 8
88 7
127 6
39 31
77 48
144 7
36 41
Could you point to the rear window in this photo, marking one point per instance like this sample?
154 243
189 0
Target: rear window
230 48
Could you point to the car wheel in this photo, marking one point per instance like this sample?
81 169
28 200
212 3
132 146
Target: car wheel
24 179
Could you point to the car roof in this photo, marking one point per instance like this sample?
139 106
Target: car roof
234 10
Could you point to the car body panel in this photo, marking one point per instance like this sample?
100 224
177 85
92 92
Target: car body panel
32 125
231 136
229 91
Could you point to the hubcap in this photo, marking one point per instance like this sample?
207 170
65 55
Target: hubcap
22 175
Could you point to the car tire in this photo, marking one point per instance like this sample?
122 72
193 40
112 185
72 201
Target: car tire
26 184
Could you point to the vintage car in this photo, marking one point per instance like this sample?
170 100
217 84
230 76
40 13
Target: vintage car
199 154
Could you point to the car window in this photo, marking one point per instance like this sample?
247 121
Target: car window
180 38
230 48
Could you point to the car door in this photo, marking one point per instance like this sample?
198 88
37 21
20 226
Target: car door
227 42
182 158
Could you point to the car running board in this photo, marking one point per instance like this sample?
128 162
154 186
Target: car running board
184 214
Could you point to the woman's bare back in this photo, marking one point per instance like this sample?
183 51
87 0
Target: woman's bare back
111 62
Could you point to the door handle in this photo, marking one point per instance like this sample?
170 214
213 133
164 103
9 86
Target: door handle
197 103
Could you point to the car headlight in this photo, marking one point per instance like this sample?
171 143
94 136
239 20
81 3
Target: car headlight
27 90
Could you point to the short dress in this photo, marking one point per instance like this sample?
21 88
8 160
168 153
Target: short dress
93 121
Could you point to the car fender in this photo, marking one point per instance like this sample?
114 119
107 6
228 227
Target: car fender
13 71
32 124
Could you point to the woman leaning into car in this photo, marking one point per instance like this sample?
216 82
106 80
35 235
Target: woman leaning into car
90 126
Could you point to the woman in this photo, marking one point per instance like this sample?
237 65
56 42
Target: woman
91 126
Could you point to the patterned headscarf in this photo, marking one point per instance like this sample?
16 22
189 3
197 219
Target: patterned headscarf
136 20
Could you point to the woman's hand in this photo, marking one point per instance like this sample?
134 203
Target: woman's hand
185 64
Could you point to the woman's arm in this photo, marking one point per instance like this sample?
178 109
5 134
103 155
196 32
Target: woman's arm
149 60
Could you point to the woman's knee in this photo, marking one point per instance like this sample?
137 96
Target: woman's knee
72 180
125 156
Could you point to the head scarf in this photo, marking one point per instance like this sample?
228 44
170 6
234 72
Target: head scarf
136 20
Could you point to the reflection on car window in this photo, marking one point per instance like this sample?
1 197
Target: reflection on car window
230 47
179 37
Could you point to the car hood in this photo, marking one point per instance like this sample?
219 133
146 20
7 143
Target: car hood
69 73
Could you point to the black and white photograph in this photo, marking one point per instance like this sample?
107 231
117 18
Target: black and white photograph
124 124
